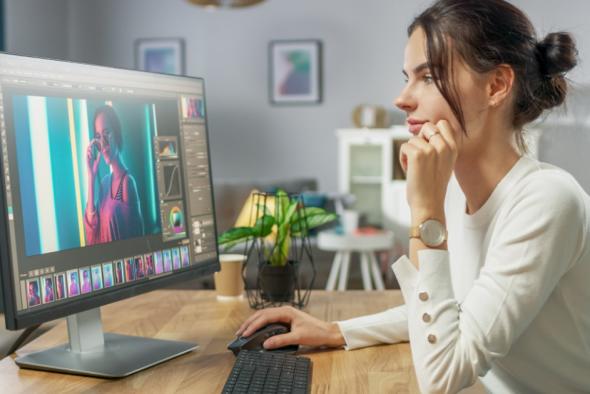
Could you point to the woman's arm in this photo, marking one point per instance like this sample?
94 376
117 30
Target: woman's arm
91 217
390 326
535 240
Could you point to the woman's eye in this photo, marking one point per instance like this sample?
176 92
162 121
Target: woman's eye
428 79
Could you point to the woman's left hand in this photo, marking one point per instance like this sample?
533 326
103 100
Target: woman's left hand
428 160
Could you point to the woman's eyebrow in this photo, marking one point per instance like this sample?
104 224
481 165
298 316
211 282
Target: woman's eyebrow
417 69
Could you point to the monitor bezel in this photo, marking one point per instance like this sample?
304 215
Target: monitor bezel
15 321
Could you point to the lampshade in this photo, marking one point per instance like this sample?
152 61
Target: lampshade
225 3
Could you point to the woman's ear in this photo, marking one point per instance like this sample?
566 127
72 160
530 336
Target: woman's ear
500 83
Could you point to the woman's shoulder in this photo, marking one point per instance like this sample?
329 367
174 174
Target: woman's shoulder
548 186
552 180
129 186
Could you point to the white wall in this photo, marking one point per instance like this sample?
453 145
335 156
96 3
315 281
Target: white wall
249 137
37 27
363 45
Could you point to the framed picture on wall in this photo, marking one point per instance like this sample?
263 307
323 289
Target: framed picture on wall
295 71
162 55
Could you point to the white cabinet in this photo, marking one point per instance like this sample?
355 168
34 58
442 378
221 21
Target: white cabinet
368 168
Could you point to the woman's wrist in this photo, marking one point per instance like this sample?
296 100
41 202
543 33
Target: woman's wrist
420 215
336 339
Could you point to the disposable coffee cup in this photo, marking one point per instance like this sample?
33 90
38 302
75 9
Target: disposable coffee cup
228 281
350 221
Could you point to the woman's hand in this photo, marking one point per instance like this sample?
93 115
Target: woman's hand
305 329
428 160
92 160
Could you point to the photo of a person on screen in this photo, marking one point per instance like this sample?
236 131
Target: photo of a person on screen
113 211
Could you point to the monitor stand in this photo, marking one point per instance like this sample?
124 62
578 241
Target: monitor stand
92 352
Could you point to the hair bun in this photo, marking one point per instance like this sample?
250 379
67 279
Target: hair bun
557 54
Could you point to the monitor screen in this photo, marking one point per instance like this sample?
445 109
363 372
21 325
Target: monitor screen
106 185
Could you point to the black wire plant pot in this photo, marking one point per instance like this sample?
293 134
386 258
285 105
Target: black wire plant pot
281 262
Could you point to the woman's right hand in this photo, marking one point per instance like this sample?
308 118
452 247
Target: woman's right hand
305 329
92 160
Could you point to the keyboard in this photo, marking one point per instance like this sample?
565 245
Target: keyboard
268 372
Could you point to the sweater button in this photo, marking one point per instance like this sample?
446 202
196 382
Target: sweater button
423 296
426 318
431 338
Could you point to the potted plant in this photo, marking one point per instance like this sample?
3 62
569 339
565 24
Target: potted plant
274 222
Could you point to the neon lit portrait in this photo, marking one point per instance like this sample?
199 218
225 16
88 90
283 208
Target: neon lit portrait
113 210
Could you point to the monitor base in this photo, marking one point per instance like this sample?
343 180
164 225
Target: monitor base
92 352
122 355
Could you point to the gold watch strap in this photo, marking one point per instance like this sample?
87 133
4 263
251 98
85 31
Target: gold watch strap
415 232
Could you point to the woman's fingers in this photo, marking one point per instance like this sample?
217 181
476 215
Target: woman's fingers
427 131
262 318
247 322
403 157
290 338
421 144
408 153
250 320
440 136
447 133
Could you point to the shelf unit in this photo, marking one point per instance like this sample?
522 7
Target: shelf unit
368 168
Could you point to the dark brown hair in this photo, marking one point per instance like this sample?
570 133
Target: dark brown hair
486 34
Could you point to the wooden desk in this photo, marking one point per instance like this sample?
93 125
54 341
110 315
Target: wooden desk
196 316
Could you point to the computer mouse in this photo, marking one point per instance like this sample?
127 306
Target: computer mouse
255 341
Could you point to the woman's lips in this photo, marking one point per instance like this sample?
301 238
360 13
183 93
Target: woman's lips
415 127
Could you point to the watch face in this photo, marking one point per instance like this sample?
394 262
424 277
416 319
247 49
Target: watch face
432 233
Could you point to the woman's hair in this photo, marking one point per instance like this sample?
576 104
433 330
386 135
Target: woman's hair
111 117
486 34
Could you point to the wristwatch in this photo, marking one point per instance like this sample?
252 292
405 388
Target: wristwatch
432 232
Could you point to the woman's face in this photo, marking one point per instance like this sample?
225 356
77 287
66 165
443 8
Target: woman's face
103 133
422 101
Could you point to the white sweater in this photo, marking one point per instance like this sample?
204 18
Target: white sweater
509 301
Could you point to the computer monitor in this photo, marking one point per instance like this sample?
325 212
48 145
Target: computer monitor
106 194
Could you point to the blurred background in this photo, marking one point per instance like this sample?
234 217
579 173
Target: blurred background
256 144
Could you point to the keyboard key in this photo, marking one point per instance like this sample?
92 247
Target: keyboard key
266 372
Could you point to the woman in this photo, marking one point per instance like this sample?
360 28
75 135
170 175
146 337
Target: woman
113 211
496 284
49 295
74 289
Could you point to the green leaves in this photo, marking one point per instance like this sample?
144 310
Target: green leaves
310 218
290 219
263 226
234 236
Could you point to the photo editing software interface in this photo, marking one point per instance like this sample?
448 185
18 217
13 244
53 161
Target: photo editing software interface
106 175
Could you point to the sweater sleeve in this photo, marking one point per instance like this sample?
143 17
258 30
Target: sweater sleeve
534 242
390 326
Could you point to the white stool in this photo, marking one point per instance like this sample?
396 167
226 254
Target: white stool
345 244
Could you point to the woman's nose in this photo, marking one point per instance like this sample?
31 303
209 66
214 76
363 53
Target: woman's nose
405 101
